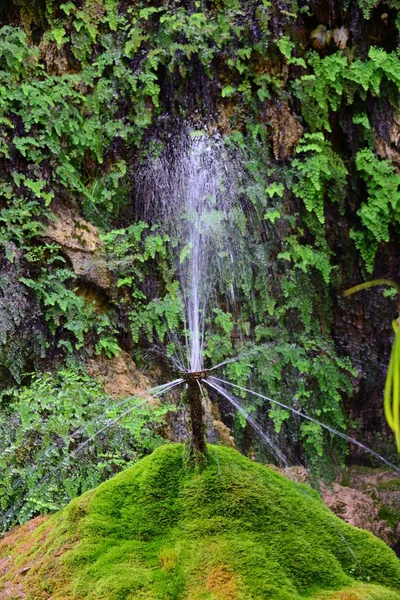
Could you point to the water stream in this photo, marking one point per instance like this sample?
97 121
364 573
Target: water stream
191 190
215 380
273 447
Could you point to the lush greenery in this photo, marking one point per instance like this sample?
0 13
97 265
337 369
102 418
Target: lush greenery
63 435
89 90
235 530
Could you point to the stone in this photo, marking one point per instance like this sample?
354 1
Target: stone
286 129
390 150
80 242
119 375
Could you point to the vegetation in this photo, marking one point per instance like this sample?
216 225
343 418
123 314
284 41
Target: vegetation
234 530
50 448
392 384
89 90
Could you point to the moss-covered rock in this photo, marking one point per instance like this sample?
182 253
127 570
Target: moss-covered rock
234 531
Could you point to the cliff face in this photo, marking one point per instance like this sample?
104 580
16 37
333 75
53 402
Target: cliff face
305 94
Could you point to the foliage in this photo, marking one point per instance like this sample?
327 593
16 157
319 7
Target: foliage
304 374
236 528
85 88
279 321
334 81
131 254
68 314
321 175
45 455
382 208
367 6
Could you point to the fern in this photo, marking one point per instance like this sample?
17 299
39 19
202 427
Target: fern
334 81
382 207
322 173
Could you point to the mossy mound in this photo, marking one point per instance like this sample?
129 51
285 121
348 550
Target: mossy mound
234 531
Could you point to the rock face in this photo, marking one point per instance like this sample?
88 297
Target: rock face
119 375
370 501
80 242
359 509
235 530
390 148
286 129
223 433
177 427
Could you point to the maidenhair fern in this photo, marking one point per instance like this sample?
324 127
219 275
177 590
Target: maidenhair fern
338 79
382 207
322 172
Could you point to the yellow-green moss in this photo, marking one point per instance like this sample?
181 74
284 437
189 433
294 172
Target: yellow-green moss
234 531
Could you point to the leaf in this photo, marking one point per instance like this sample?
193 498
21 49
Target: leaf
340 37
362 119
263 94
275 189
185 253
272 215
68 7
125 281
35 186
321 37
58 35
286 46
227 91
146 12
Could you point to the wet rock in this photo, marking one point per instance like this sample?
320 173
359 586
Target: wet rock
390 150
216 431
226 111
80 242
223 434
296 473
286 129
177 424
395 132
55 59
384 488
357 508
119 375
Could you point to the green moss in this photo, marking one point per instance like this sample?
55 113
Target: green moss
234 531
389 485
